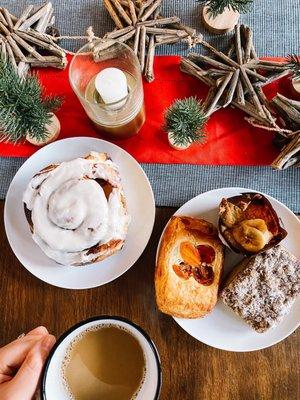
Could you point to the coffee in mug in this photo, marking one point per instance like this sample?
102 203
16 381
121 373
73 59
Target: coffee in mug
104 362
107 358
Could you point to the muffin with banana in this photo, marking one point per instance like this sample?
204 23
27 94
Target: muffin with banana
249 224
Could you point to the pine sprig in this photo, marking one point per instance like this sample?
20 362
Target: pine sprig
23 110
216 7
294 62
185 120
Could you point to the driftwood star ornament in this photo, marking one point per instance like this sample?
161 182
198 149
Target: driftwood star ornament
24 41
235 78
140 24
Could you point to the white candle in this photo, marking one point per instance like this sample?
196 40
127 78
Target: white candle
111 84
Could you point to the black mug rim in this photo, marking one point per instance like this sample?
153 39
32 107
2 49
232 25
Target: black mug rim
43 395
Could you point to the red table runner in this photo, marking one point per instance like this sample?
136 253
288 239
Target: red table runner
230 139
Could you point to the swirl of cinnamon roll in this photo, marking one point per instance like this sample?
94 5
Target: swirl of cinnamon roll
77 210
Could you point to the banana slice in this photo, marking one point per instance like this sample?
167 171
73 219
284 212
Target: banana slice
257 223
251 234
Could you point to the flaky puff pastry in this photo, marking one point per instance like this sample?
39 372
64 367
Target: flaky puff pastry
186 297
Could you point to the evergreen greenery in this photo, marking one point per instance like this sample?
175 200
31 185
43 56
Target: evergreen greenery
184 120
294 62
216 7
23 109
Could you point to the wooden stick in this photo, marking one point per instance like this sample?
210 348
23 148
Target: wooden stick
143 7
230 50
259 65
256 75
121 12
150 10
52 61
4 29
240 93
263 99
119 32
272 78
126 37
232 88
27 47
15 48
2 19
45 19
293 103
23 16
142 47
190 31
11 56
3 50
291 149
102 45
250 110
221 55
238 46
159 21
52 47
274 63
251 91
132 12
113 14
35 17
248 43
253 54
8 18
195 57
165 31
188 67
210 96
168 39
149 73
136 39
291 112
219 93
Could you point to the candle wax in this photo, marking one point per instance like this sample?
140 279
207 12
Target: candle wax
111 84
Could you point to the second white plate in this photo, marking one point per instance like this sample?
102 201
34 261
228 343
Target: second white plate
222 328
141 208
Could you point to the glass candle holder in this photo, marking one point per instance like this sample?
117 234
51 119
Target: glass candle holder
118 119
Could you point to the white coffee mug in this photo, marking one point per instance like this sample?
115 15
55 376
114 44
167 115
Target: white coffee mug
53 386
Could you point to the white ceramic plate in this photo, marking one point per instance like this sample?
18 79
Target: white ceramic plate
222 328
141 208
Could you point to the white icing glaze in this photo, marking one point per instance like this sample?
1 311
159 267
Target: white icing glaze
70 212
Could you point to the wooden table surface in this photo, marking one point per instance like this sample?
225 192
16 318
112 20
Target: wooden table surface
191 370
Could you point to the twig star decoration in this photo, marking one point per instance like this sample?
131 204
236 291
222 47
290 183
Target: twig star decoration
24 42
234 78
140 24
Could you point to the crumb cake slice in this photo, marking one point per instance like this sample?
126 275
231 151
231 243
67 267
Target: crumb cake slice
262 289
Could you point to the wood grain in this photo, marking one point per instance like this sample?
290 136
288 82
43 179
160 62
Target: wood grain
191 370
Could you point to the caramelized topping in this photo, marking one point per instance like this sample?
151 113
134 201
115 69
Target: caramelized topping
207 253
204 274
195 263
182 270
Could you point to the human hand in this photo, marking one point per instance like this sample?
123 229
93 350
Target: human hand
21 364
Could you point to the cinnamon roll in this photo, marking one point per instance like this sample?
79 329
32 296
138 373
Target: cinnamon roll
77 210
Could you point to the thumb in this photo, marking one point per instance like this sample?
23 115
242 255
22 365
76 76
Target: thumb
25 383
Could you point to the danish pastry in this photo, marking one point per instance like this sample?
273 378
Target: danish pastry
189 268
